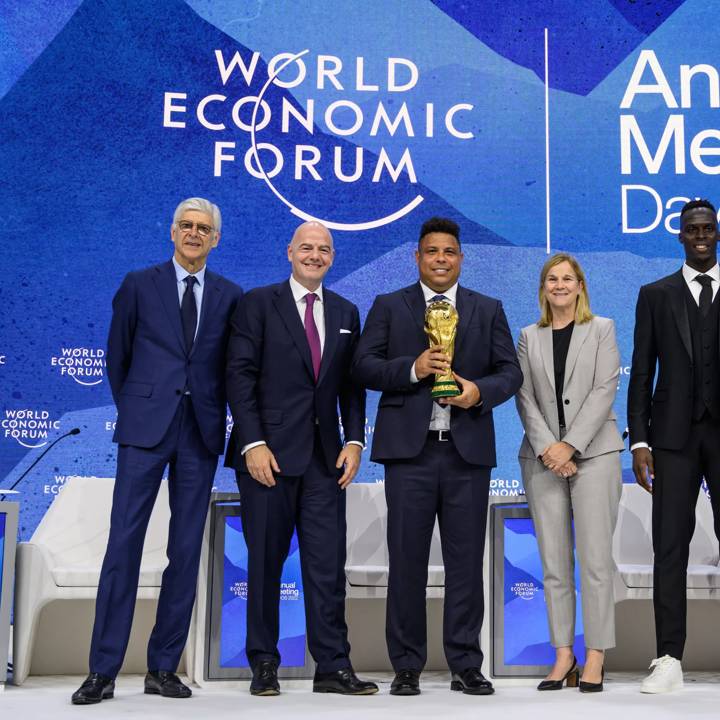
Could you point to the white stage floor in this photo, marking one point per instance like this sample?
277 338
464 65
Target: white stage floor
49 697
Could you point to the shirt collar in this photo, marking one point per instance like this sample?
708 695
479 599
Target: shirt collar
690 273
450 293
181 273
300 291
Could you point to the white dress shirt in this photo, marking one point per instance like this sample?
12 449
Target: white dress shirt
181 273
695 287
299 292
689 275
440 418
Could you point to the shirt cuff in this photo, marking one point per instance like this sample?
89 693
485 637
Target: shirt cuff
638 445
413 376
355 442
250 446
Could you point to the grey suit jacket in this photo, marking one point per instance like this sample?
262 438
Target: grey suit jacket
591 377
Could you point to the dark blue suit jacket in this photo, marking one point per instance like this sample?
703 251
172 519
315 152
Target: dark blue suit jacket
271 387
148 366
391 341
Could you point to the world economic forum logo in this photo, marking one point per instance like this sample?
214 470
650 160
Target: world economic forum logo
524 589
28 427
335 96
86 366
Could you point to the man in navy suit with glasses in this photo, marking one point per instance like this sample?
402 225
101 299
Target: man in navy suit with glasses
166 367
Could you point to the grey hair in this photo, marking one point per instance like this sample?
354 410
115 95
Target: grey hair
201 205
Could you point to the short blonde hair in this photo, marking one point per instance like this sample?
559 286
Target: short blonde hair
582 307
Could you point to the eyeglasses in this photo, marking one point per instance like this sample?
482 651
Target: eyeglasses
186 226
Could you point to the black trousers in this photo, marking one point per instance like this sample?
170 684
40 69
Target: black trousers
315 504
678 477
437 483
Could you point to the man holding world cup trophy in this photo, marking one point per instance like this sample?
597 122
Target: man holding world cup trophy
443 357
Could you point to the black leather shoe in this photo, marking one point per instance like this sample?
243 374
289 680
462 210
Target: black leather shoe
265 680
472 682
571 677
406 682
589 687
167 684
95 688
344 681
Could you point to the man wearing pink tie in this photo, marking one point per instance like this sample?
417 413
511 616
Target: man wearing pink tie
288 368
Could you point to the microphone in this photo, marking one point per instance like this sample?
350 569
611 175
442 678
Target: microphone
11 489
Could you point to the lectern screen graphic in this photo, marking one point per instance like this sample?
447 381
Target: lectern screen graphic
234 604
2 545
527 638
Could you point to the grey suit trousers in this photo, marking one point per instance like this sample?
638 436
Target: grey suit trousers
591 497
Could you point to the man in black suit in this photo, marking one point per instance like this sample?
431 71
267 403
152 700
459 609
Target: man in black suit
675 427
437 456
165 363
288 368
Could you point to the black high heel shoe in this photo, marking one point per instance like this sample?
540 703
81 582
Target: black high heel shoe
571 678
588 687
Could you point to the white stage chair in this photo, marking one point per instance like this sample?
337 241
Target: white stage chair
57 577
366 566
633 553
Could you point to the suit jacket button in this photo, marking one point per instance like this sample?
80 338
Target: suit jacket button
567 402
178 392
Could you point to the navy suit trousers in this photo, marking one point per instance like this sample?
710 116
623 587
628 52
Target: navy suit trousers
139 472
436 483
315 504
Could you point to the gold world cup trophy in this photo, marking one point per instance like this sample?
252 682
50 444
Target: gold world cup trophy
441 321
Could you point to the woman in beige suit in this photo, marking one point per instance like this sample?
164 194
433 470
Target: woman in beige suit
570 463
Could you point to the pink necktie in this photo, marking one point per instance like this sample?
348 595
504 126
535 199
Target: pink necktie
313 336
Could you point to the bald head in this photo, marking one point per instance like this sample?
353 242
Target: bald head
301 231
311 254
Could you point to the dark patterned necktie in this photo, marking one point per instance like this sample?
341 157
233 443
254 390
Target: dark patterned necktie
311 331
705 293
437 298
188 312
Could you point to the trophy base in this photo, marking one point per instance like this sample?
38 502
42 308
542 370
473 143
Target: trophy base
445 389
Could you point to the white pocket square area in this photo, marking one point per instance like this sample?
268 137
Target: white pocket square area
343 331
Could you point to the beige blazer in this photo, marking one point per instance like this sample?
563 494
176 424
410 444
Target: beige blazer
591 377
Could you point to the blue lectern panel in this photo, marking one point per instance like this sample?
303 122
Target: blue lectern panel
234 603
2 547
527 637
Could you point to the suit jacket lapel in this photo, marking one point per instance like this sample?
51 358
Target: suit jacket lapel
545 341
416 303
166 283
332 333
210 299
678 304
577 340
465 307
285 305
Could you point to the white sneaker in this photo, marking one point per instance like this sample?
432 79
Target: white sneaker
666 676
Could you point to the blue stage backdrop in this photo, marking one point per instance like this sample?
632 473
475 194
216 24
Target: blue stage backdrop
537 126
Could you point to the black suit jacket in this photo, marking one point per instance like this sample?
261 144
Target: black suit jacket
271 386
661 416
391 341
148 366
